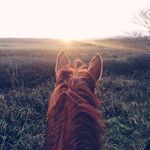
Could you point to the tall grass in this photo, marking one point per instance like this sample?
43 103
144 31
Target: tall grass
27 80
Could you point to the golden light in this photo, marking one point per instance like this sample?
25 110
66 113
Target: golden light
67 40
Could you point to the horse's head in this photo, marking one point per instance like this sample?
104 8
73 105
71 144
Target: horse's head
73 115
78 75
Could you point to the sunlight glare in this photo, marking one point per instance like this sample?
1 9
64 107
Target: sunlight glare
67 40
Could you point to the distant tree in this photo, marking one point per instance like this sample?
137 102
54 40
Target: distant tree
143 19
135 34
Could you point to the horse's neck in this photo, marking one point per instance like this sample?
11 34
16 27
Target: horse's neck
71 123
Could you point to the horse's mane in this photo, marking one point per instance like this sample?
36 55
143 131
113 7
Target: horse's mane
73 117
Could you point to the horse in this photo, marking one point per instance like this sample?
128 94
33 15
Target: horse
74 121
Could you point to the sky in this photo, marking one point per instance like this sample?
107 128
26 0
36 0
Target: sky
68 19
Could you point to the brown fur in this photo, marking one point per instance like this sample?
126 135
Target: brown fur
73 118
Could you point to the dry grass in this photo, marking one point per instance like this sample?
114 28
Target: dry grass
27 80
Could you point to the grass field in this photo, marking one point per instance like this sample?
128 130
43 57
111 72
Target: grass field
27 80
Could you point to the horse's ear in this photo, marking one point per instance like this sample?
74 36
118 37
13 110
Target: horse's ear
62 60
96 67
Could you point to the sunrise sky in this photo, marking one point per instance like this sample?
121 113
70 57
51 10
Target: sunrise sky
68 19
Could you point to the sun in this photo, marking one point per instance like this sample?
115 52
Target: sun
67 39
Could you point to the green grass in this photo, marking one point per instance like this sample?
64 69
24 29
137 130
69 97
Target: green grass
126 107
27 81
